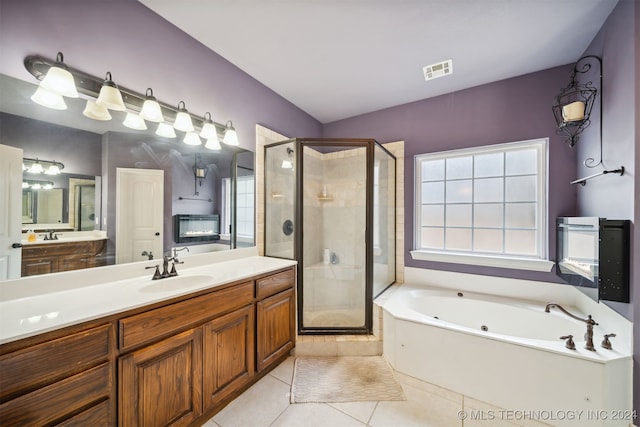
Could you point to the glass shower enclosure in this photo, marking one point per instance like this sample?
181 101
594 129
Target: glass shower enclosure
330 205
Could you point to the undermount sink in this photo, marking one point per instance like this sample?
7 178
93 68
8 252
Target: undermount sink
176 283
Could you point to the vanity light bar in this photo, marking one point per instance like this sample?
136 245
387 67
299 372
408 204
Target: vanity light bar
90 85
37 185
36 166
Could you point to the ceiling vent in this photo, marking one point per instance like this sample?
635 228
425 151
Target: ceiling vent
438 69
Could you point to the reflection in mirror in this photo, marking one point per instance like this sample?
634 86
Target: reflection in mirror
92 151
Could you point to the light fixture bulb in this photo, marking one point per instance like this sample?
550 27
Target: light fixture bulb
36 168
192 138
286 164
151 108
183 119
36 186
25 184
110 96
208 128
95 111
48 99
134 121
165 130
47 186
59 80
213 144
54 169
230 135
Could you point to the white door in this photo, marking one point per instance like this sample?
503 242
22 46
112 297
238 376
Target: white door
139 213
50 206
10 213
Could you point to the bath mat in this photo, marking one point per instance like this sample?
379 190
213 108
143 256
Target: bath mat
343 379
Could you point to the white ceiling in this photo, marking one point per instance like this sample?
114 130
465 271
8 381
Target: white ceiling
340 58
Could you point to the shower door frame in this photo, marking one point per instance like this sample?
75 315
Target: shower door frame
298 253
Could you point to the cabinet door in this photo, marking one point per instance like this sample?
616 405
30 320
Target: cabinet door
160 385
276 327
228 357
39 265
75 262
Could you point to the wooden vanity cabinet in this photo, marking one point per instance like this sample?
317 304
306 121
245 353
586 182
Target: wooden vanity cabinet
275 309
43 258
165 383
62 381
174 364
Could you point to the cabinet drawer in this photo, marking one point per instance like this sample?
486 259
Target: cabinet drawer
42 364
99 415
148 326
56 401
271 285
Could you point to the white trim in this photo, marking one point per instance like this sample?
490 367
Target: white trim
484 260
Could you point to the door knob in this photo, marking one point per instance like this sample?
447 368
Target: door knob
16 245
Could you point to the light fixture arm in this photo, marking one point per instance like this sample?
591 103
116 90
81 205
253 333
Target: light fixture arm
90 85
590 162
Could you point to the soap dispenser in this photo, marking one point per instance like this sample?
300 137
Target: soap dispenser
31 236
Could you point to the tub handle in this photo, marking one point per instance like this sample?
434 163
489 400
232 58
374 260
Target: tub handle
606 343
569 344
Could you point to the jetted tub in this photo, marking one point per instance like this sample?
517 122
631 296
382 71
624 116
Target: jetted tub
507 352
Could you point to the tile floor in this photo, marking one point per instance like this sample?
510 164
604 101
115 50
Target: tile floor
266 404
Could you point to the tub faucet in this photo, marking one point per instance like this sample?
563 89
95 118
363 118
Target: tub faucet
589 321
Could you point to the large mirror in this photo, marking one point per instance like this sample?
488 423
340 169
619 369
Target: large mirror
195 180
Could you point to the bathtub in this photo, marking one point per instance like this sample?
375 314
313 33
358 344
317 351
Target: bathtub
507 352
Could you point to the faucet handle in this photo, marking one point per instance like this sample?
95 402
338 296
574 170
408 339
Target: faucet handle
156 274
606 343
569 344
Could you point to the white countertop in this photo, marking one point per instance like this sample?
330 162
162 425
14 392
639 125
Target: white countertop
66 237
30 306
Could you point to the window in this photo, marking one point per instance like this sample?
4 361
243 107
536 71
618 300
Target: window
244 208
483 206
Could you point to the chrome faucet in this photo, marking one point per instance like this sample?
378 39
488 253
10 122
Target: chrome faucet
165 266
589 321
176 250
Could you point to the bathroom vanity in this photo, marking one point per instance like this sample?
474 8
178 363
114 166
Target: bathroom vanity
52 256
145 352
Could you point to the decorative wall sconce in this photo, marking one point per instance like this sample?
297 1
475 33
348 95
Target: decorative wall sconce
572 106
37 166
199 173
58 80
572 111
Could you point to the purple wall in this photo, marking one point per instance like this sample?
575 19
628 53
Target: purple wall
78 150
143 50
613 196
478 116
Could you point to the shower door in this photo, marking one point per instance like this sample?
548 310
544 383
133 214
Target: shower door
330 205
334 217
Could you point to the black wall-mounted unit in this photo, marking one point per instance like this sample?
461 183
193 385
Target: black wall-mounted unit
594 252
196 228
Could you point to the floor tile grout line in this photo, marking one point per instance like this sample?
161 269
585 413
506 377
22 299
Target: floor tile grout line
374 411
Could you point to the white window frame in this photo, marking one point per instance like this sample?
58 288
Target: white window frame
539 262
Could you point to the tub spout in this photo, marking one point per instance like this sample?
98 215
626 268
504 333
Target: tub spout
589 321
